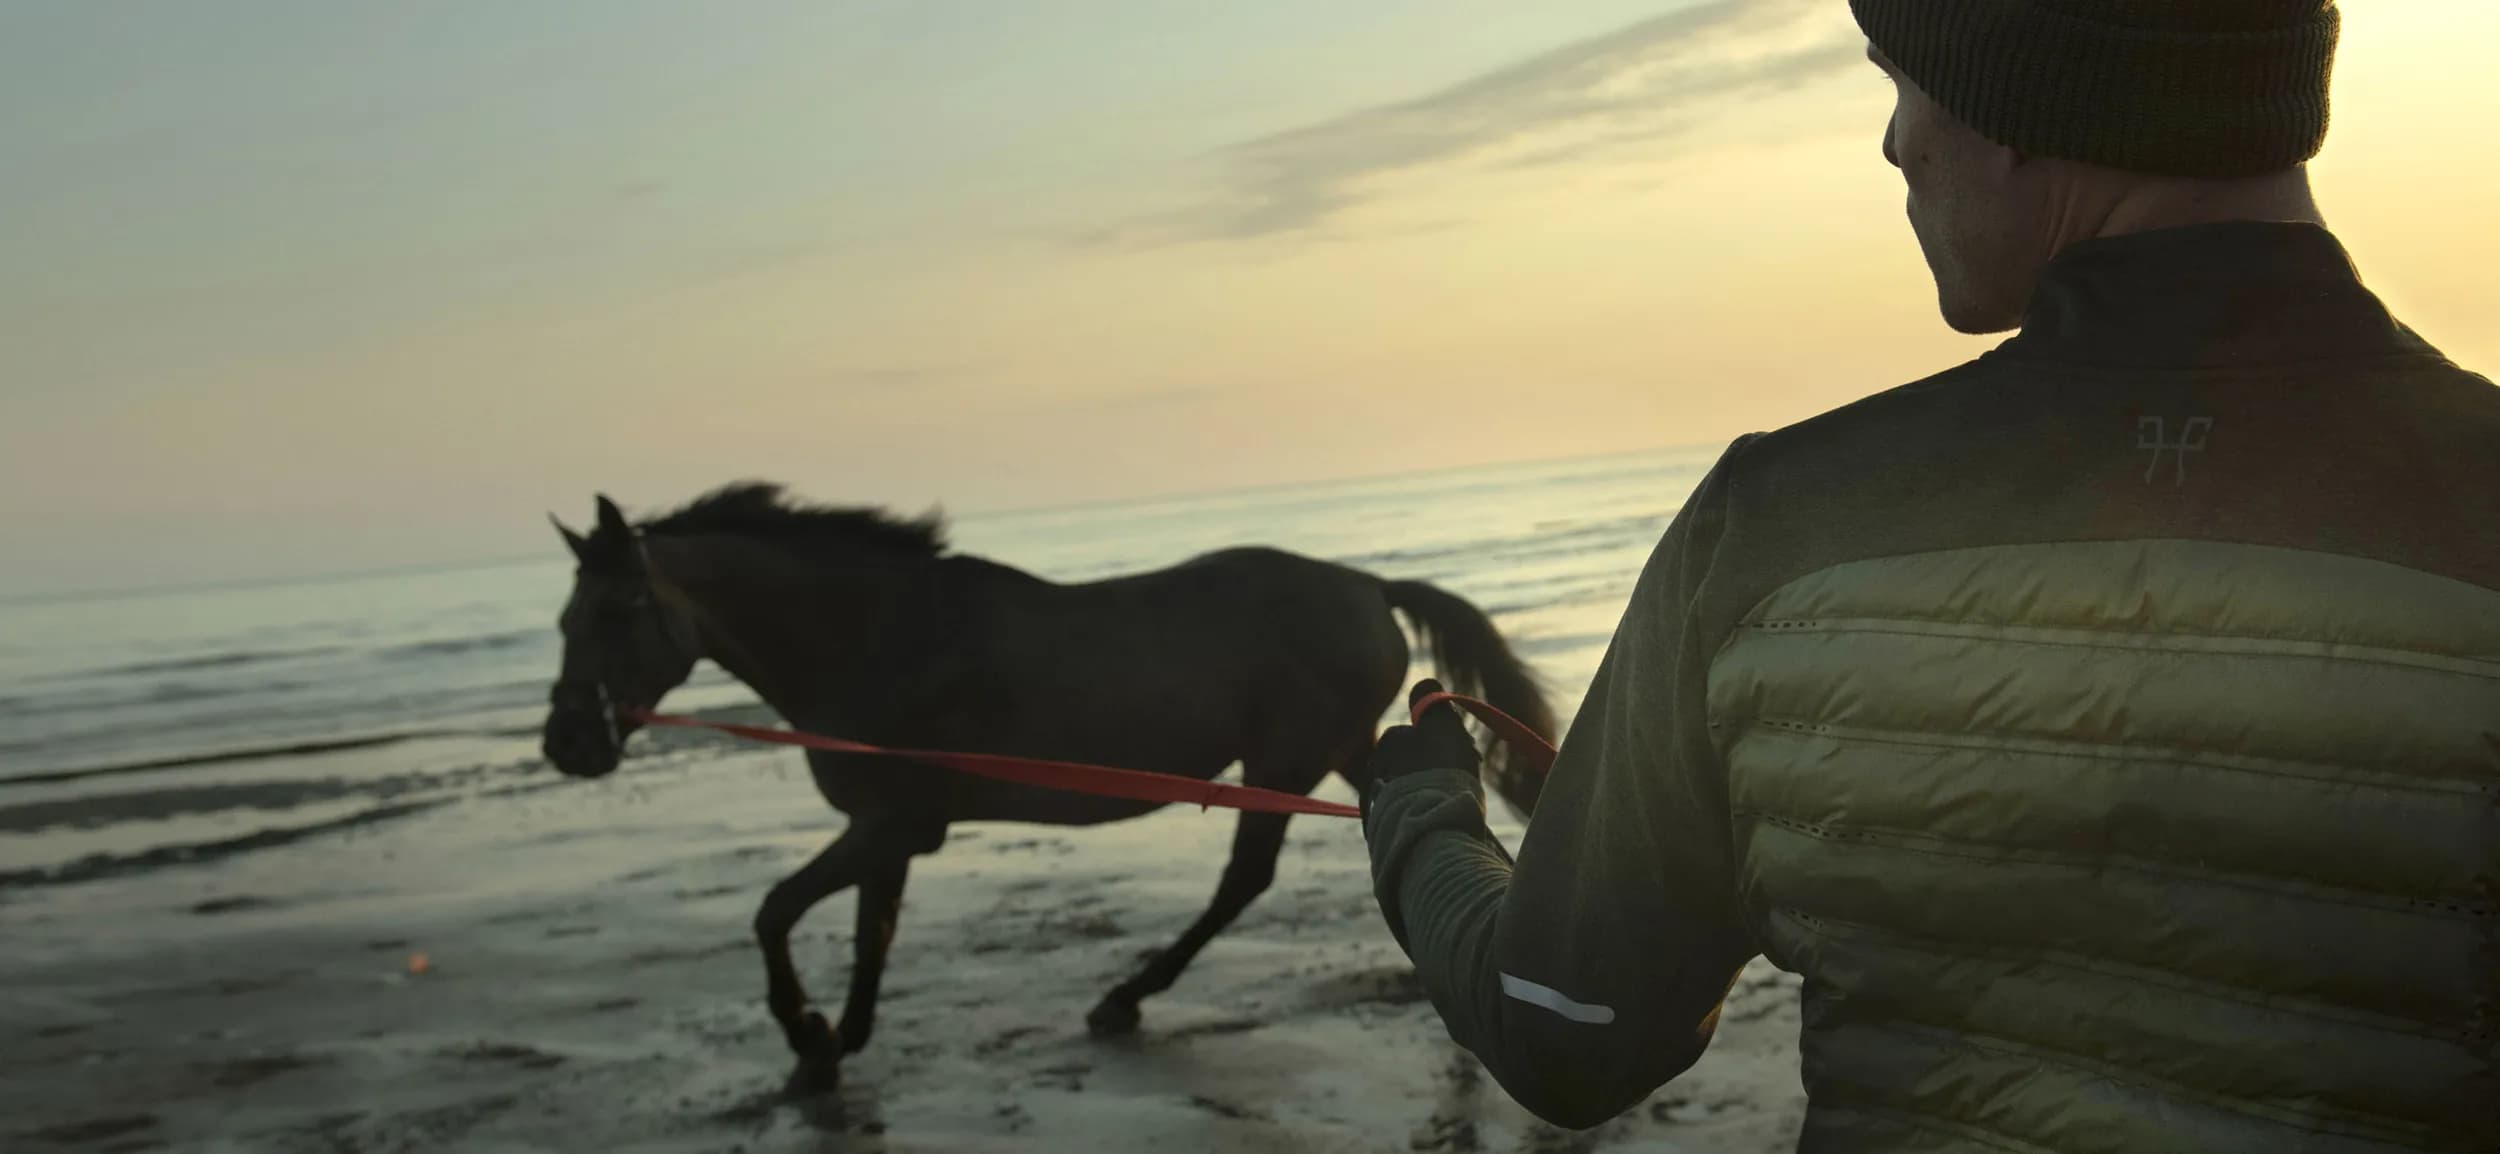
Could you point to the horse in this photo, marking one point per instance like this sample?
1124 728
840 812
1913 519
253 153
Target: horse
854 622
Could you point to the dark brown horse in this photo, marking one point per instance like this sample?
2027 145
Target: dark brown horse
852 623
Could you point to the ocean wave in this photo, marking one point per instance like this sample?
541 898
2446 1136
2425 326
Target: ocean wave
224 756
1563 597
107 865
125 699
226 660
1560 643
307 718
480 643
181 692
1551 540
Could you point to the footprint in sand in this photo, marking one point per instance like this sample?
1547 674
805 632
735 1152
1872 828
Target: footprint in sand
1677 1109
1005 1041
1091 927
237 1073
1068 1076
1446 1133
1223 1109
94 1130
504 1053
1213 1029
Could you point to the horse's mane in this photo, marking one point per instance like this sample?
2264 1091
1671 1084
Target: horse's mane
765 510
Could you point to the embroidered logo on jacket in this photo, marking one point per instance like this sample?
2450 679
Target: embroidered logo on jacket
2150 436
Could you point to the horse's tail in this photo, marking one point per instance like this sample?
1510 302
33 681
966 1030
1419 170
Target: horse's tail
1475 661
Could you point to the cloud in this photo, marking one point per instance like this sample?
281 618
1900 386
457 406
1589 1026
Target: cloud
970 386
1143 399
1638 85
913 378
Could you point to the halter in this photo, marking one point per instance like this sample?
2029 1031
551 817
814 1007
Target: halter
597 683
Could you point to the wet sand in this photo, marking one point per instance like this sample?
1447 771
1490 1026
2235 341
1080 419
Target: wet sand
590 985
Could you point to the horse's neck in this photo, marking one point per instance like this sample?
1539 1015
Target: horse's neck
807 637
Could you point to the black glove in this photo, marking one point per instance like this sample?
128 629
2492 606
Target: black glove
1438 741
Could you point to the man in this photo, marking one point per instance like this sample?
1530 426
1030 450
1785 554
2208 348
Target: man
2107 730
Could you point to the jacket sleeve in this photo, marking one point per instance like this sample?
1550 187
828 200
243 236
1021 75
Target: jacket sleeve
1590 972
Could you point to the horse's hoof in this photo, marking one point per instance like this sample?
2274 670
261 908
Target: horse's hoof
1113 1019
819 1047
813 1076
816 1039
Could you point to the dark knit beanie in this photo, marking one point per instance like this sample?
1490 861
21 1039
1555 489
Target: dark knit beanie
2198 88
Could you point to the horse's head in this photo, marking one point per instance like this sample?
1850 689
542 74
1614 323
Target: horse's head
623 649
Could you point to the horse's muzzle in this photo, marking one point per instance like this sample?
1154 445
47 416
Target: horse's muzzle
584 737
579 750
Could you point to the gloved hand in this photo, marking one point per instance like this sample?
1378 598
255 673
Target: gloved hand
1438 741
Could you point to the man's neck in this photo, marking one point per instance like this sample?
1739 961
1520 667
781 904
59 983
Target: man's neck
2099 202
2284 198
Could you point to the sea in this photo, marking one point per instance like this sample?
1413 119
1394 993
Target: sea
142 731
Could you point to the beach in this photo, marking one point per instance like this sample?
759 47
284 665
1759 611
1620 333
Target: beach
589 983
416 936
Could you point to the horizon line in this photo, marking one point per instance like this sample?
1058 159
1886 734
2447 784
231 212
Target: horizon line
326 577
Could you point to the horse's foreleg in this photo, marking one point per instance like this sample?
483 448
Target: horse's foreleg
880 905
840 865
1256 842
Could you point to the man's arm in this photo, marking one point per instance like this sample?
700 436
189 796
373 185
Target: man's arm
1591 971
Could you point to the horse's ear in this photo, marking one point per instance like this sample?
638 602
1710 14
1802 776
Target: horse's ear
612 519
572 540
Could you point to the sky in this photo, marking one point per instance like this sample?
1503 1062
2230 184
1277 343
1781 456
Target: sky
303 287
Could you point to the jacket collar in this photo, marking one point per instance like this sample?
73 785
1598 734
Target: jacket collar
2243 293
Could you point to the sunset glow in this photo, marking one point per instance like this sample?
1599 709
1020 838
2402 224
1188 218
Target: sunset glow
290 288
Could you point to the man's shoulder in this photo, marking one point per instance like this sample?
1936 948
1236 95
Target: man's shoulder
2380 457
1914 425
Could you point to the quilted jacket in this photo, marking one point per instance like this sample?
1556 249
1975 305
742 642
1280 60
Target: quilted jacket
2107 731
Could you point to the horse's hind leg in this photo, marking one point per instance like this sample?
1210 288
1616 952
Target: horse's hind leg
1256 842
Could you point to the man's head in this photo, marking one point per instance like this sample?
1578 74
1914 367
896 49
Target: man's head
2023 126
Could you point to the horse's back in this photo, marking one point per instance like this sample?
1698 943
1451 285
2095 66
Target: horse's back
1187 668
1262 600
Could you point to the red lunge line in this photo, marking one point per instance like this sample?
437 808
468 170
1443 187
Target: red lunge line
1538 753
1103 781
1133 785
